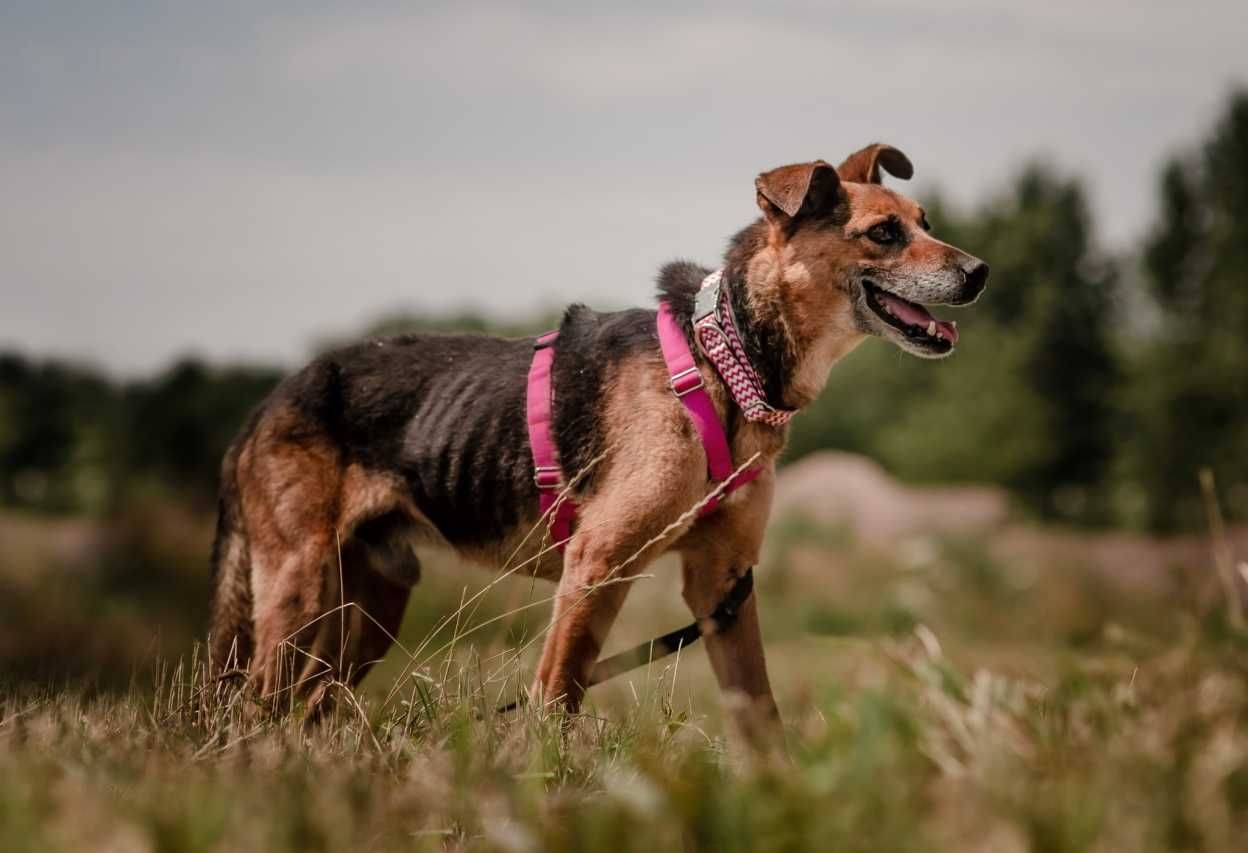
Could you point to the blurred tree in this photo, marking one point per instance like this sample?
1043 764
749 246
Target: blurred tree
57 422
1036 398
1044 247
1189 401
180 424
71 440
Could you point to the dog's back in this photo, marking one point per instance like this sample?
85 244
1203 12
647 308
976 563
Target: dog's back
397 442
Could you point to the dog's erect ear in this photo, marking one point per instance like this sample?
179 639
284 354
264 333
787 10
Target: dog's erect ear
800 188
863 167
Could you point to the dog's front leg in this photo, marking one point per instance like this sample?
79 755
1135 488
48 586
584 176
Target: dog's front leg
589 598
620 530
715 554
736 653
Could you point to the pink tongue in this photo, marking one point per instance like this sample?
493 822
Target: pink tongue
917 315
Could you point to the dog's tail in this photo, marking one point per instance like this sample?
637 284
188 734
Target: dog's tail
230 635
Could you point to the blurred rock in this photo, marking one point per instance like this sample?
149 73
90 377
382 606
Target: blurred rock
850 491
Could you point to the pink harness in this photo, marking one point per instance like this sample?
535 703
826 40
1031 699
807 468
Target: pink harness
686 383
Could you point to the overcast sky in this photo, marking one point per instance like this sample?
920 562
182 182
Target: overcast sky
239 180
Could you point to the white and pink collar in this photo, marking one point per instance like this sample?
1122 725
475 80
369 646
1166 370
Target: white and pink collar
715 330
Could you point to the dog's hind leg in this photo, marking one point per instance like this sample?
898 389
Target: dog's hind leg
335 632
230 634
374 614
292 603
360 614
290 479
370 586
312 521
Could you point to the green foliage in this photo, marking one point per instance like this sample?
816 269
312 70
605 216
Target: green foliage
1189 403
57 428
179 425
72 440
1093 395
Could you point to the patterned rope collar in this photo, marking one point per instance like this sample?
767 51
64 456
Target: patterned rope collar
715 330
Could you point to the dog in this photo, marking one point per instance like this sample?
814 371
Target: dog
379 448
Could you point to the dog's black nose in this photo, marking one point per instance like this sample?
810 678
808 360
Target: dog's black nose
976 277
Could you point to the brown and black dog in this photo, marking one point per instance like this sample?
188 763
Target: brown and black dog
376 449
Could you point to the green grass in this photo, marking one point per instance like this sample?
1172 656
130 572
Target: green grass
1118 753
934 701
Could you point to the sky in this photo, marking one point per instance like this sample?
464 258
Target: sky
240 181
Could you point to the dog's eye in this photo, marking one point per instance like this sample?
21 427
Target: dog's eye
883 233
927 226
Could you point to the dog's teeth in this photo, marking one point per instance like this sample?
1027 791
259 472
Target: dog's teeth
931 328
953 323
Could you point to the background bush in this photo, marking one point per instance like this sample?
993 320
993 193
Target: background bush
1093 387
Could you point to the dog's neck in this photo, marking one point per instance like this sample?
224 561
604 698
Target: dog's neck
794 366
765 339
791 359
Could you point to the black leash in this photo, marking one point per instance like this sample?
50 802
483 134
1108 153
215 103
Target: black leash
723 617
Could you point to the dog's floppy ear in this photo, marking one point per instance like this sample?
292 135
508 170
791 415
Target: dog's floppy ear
863 167
800 188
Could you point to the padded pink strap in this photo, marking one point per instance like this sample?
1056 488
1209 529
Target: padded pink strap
687 384
746 476
546 471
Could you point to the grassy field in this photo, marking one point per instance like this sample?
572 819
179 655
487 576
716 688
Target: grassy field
934 698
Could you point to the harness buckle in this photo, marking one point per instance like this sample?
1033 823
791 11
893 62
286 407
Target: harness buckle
687 381
548 477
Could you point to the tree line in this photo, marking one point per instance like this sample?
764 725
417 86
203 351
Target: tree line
1094 387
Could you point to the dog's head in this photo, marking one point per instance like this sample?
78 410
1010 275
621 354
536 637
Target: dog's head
852 255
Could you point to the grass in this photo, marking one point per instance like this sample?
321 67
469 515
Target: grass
935 699
1118 753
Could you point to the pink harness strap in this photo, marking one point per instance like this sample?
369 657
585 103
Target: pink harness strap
686 383
547 474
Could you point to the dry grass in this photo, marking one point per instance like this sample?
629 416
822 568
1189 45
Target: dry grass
1116 754
935 700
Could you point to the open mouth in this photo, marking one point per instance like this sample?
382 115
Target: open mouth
911 319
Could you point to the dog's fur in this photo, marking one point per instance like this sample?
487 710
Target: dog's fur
376 449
